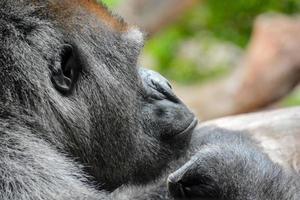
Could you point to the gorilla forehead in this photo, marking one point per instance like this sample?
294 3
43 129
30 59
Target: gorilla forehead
70 14
93 12
64 9
83 22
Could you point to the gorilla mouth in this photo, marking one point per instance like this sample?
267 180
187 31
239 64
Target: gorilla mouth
188 129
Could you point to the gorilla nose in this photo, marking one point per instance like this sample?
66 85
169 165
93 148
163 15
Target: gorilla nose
157 86
168 112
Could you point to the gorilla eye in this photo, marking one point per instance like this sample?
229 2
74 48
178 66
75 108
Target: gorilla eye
66 72
66 58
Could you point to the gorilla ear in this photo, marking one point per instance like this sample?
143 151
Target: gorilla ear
66 71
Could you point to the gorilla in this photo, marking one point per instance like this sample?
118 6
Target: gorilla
79 120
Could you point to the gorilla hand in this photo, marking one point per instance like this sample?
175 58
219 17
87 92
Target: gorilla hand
231 171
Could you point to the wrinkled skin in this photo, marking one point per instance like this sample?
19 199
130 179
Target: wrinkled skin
80 120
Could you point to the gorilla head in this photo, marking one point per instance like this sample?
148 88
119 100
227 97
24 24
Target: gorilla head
69 67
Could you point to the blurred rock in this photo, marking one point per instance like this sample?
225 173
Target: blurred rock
272 64
269 71
207 52
200 58
152 15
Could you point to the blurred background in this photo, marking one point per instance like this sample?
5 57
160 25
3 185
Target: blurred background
222 57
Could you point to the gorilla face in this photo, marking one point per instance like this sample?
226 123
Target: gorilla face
137 124
122 123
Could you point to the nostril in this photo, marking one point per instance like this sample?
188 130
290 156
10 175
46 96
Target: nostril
162 82
170 86
162 87
157 86
165 88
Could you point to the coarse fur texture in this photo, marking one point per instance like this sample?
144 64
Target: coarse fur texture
79 120
101 129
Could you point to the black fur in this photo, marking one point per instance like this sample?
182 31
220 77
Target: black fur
228 165
97 134
104 130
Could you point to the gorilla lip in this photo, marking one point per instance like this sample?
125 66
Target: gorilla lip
189 129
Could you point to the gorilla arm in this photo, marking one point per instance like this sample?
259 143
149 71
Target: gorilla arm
227 163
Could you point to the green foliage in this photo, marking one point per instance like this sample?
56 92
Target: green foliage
110 3
187 72
292 100
230 20
233 20
164 47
